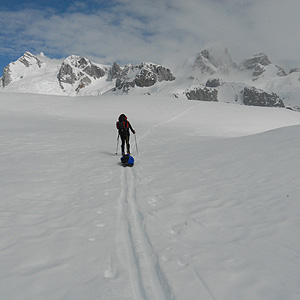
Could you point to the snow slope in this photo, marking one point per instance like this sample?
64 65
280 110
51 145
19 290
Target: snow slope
35 78
209 211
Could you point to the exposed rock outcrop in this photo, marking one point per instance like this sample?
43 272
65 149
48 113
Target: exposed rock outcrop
29 59
256 97
6 78
214 59
142 75
18 68
79 71
229 83
258 65
115 71
213 82
202 94
294 70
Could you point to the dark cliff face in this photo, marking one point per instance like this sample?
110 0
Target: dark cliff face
250 96
142 75
202 94
6 78
255 97
80 72
257 64
29 59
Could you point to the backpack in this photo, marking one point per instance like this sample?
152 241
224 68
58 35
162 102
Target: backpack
122 124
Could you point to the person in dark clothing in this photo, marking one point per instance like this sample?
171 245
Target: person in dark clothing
123 126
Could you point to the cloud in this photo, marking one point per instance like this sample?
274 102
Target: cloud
275 29
161 31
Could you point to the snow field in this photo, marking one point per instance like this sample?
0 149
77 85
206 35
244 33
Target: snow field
209 211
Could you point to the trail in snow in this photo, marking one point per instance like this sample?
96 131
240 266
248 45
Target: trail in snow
148 132
146 277
126 236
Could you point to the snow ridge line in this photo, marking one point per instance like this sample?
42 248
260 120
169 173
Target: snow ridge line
142 262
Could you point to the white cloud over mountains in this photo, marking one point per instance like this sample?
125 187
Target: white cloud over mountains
161 31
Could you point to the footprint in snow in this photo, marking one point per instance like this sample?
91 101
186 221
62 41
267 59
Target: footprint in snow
100 211
165 258
231 261
174 231
182 263
101 225
110 272
152 201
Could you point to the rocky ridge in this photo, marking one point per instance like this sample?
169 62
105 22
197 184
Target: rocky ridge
206 77
142 75
258 64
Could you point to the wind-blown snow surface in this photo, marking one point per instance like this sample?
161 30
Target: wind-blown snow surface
209 211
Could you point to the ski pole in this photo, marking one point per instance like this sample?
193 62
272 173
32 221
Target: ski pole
137 152
117 143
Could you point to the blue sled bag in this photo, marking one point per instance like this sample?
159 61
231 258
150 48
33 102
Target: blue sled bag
127 160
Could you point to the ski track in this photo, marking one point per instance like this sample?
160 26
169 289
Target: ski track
147 279
149 131
134 236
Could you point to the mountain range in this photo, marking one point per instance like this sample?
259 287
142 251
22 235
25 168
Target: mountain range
211 75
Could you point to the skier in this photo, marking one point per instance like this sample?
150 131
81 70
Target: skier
123 126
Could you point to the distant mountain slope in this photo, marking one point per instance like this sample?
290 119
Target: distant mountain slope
211 75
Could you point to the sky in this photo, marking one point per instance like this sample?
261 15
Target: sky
166 32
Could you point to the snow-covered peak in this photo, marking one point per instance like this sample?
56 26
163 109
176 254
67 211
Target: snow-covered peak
81 64
78 72
213 59
212 68
259 64
257 59
28 59
15 71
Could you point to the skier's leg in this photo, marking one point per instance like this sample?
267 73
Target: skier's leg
127 144
123 145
